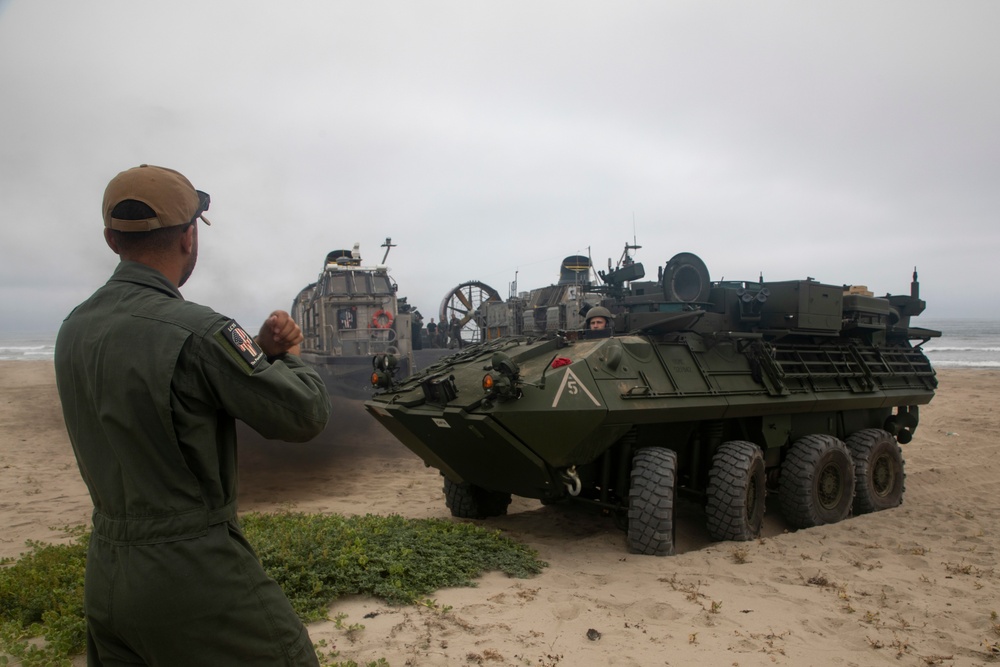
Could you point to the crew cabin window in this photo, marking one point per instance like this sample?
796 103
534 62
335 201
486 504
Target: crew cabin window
336 283
357 283
381 284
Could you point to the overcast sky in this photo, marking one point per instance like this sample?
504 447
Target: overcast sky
845 141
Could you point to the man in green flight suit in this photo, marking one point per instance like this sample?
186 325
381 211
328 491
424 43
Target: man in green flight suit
151 386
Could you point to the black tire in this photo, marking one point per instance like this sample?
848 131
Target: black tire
736 490
879 474
817 482
468 501
652 498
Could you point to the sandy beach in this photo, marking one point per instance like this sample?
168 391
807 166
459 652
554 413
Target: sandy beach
911 586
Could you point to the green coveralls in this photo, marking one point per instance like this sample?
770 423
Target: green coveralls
151 386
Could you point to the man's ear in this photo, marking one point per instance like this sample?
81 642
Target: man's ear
109 238
188 238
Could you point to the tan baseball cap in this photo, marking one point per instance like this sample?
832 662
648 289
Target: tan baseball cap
171 196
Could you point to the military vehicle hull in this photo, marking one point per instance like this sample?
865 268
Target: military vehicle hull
719 399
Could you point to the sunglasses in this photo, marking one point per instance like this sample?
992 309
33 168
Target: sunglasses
204 199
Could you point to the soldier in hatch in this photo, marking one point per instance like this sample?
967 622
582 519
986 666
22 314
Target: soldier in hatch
599 317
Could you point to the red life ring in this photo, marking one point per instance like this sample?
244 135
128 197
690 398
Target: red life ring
382 319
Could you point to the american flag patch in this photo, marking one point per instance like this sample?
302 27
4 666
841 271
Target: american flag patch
242 343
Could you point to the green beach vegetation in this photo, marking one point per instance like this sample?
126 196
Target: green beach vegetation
316 558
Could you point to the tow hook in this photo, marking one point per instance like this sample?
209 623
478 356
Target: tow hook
572 481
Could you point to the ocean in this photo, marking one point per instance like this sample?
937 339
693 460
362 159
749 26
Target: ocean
27 346
964 343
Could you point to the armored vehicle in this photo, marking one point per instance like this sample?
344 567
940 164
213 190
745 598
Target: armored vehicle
721 391
351 313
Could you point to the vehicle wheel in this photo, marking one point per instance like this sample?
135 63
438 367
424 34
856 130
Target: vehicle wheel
651 501
468 501
878 470
735 507
817 482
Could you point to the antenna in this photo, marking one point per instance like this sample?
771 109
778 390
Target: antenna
388 245
626 259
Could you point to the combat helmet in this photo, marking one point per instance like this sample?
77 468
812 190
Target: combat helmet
599 311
